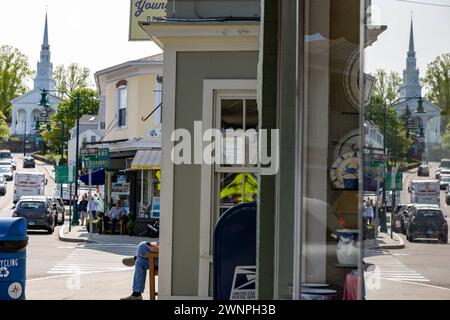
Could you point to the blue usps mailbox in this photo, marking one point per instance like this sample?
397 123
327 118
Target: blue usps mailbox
13 243
234 254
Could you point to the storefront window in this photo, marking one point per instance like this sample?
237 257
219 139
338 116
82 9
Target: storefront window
120 189
148 192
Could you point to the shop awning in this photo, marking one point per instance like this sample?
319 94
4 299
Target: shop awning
147 160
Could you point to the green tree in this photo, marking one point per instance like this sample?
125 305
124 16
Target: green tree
387 85
14 72
437 82
71 78
386 88
67 115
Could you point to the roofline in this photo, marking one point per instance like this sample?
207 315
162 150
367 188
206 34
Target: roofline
127 64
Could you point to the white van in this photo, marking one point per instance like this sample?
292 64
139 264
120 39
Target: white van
425 191
29 184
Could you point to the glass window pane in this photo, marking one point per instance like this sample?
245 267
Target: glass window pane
251 114
232 114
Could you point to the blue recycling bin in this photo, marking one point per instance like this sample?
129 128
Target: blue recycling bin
13 244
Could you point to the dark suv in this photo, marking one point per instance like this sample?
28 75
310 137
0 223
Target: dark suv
28 162
37 211
427 222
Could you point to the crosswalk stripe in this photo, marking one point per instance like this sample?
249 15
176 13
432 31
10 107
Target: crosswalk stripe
89 259
389 268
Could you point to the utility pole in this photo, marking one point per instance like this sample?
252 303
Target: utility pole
393 178
383 227
25 139
75 206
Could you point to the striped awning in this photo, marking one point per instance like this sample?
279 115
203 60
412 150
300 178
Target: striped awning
147 160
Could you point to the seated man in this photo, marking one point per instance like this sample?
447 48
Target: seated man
141 265
114 215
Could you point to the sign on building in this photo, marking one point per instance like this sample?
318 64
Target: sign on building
144 10
95 158
63 175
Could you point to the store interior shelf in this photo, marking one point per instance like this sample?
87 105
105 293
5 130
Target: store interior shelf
354 266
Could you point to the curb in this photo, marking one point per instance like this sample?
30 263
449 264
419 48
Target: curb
396 236
63 238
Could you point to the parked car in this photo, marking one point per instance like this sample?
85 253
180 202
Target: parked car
59 209
2 185
437 173
424 171
447 197
28 162
444 181
37 211
7 172
401 217
427 222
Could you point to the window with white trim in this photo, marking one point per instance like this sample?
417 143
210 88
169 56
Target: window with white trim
235 177
122 105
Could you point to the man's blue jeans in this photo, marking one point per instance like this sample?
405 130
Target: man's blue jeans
141 267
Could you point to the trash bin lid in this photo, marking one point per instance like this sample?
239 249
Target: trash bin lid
13 229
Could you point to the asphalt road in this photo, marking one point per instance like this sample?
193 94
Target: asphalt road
43 250
419 271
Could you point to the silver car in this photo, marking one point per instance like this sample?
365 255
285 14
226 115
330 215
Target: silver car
2 185
7 172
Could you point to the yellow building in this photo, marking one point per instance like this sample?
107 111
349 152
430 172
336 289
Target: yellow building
130 116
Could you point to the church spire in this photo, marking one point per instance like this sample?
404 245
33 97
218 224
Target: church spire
411 38
44 75
411 81
45 44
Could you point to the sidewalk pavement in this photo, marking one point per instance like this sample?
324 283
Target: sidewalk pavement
384 241
93 285
80 234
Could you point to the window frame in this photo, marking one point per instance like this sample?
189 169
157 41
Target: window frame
123 86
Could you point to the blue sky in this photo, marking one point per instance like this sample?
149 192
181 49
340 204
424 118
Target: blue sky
431 32
95 33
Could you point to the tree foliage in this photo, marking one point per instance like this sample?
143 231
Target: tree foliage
385 91
14 72
67 116
70 79
387 85
437 82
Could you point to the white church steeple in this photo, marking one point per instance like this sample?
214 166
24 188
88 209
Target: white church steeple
411 84
44 74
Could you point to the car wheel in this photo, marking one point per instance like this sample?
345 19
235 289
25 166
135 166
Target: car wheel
50 230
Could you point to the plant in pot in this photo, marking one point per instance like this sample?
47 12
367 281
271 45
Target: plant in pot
131 225
94 224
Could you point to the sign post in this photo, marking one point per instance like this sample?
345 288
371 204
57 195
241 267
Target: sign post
94 158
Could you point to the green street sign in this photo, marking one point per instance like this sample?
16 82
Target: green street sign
62 175
398 186
96 158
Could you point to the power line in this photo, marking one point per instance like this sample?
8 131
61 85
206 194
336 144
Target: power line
426 3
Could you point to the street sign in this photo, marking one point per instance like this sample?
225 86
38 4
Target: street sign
62 175
95 158
398 186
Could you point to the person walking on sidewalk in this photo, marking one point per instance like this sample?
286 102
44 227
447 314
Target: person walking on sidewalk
368 213
83 208
141 265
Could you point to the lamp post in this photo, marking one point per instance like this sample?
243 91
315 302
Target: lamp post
44 103
420 110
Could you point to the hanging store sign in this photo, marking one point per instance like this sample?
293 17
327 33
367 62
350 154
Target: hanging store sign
144 10
95 158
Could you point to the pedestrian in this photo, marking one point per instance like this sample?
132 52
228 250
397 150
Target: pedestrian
141 265
368 213
82 207
92 207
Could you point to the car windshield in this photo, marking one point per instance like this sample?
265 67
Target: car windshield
5 169
31 205
445 178
5 155
445 164
424 214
